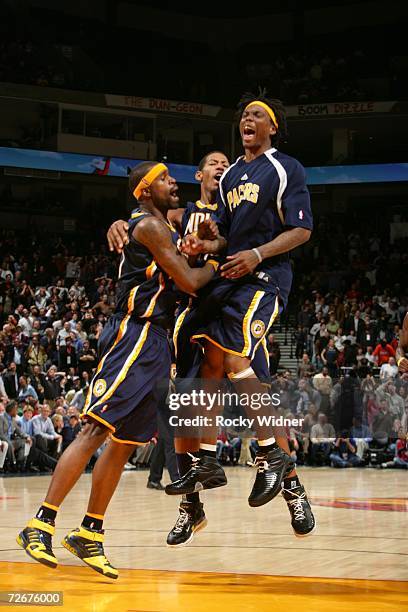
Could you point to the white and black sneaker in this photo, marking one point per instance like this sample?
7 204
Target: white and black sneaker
303 521
190 520
205 473
272 467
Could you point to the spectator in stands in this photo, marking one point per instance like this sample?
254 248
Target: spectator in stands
329 358
322 436
306 368
67 355
383 351
345 453
394 401
70 430
274 354
45 436
401 453
36 354
63 334
26 391
388 370
323 383
11 433
383 421
11 381
3 392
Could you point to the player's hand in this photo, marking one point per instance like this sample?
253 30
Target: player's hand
207 230
403 366
191 245
118 235
243 262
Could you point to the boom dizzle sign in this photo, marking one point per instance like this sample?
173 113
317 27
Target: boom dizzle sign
339 108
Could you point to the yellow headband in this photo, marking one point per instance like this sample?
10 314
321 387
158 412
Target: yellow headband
267 109
148 179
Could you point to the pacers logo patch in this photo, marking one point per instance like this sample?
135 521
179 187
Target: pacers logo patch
99 387
257 328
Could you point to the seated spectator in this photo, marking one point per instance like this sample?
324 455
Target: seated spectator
11 433
345 453
25 421
26 391
322 436
383 351
44 433
388 370
401 452
393 399
70 430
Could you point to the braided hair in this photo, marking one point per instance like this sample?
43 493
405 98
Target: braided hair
275 105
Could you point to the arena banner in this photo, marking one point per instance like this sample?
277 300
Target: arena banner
339 108
34 159
162 106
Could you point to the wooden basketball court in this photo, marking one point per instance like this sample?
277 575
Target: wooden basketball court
246 558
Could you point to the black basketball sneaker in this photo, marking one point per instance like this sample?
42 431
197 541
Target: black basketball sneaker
190 520
36 539
272 468
303 521
205 473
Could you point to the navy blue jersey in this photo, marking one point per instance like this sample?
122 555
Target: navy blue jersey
144 290
195 213
258 201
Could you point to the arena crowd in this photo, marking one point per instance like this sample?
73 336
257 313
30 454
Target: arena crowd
55 300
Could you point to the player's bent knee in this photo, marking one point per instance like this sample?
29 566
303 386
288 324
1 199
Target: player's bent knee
93 429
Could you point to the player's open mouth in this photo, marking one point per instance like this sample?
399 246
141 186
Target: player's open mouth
218 176
248 131
174 193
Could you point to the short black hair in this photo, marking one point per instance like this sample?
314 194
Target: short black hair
10 405
203 161
275 104
137 173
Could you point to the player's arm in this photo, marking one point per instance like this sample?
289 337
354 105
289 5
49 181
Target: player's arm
155 236
296 214
118 235
402 347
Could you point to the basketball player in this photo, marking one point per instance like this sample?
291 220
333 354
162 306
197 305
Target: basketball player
135 356
402 348
192 517
265 209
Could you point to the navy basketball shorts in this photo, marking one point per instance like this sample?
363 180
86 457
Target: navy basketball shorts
134 364
189 355
243 319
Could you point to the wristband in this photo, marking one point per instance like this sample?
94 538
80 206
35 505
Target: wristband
213 263
257 253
